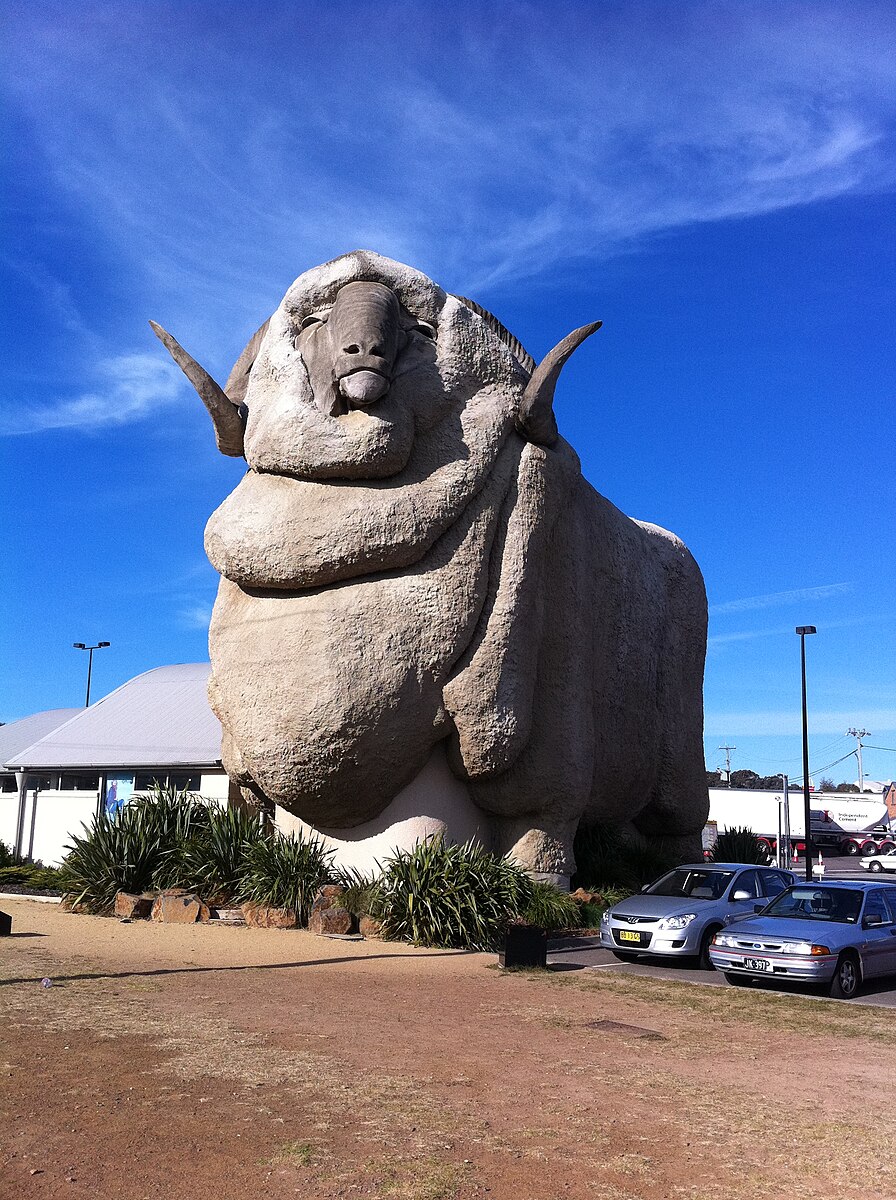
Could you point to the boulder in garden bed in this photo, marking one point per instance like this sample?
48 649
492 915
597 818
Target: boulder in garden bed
130 907
179 908
370 927
326 916
263 916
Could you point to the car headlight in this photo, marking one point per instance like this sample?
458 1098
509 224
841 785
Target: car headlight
605 917
681 922
807 948
723 939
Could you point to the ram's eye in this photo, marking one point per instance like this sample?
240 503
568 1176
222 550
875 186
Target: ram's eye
313 319
425 329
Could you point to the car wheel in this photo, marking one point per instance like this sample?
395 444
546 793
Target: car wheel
625 955
704 962
847 977
738 980
851 848
875 866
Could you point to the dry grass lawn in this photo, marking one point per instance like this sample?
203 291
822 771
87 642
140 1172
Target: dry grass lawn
220 1063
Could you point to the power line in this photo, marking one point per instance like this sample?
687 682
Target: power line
818 770
889 749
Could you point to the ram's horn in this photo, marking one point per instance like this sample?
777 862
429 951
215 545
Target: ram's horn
535 419
238 379
224 413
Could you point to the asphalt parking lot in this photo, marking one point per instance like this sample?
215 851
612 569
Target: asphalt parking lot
585 953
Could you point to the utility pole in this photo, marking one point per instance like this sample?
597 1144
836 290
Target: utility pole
785 857
727 750
858 734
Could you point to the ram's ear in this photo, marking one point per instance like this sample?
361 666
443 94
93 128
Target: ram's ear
535 419
238 379
226 417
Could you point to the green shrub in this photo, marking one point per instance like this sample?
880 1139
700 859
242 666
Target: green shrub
457 897
604 859
739 845
286 872
31 876
361 894
132 849
212 860
8 857
592 910
550 909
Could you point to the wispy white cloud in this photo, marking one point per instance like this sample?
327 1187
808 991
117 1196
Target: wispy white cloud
195 616
775 600
479 165
130 387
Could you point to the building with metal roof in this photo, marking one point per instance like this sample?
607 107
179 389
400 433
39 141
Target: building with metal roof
157 727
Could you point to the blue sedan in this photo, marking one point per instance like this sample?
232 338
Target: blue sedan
837 934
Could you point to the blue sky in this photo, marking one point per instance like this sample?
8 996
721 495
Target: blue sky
714 181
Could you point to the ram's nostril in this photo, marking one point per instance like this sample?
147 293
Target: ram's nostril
353 349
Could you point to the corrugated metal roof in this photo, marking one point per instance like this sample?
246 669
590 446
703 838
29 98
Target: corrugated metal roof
19 735
158 719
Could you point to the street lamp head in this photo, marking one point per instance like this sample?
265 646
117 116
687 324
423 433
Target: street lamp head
78 646
101 644
804 629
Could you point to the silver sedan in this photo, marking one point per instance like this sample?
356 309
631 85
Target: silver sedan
837 933
677 916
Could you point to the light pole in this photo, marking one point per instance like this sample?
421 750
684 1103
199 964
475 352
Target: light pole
81 646
803 630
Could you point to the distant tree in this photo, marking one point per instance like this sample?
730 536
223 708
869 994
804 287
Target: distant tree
744 779
846 787
825 785
713 779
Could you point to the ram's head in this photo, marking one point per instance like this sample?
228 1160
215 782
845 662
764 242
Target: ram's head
363 355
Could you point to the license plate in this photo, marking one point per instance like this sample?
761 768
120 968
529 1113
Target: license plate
629 935
757 964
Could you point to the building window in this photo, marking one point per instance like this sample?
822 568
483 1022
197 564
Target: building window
79 783
182 780
145 780
8 783
185 782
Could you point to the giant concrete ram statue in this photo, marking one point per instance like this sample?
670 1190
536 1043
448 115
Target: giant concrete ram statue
417 584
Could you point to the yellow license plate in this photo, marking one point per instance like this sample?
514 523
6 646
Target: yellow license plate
628 935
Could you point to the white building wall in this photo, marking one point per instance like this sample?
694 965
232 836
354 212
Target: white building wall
50 820
9 813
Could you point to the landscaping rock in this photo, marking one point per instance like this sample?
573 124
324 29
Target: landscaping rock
370 927
262 916
326 917
179 908
584 897
327 896
330 920
129 907
68 904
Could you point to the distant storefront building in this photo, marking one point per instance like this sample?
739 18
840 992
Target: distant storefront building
58 768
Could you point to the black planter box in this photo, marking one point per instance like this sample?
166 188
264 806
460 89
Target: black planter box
524 946
5 924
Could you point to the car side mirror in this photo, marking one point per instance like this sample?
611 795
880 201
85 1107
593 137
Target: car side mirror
871 922
758 907
741 894
644 887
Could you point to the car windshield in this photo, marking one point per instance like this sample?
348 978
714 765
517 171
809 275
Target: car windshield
695 884
815 903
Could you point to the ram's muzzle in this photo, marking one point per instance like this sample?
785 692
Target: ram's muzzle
365 337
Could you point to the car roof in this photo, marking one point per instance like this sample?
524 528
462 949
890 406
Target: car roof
715 866
856 885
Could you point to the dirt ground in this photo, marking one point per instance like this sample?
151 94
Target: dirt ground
235 1064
